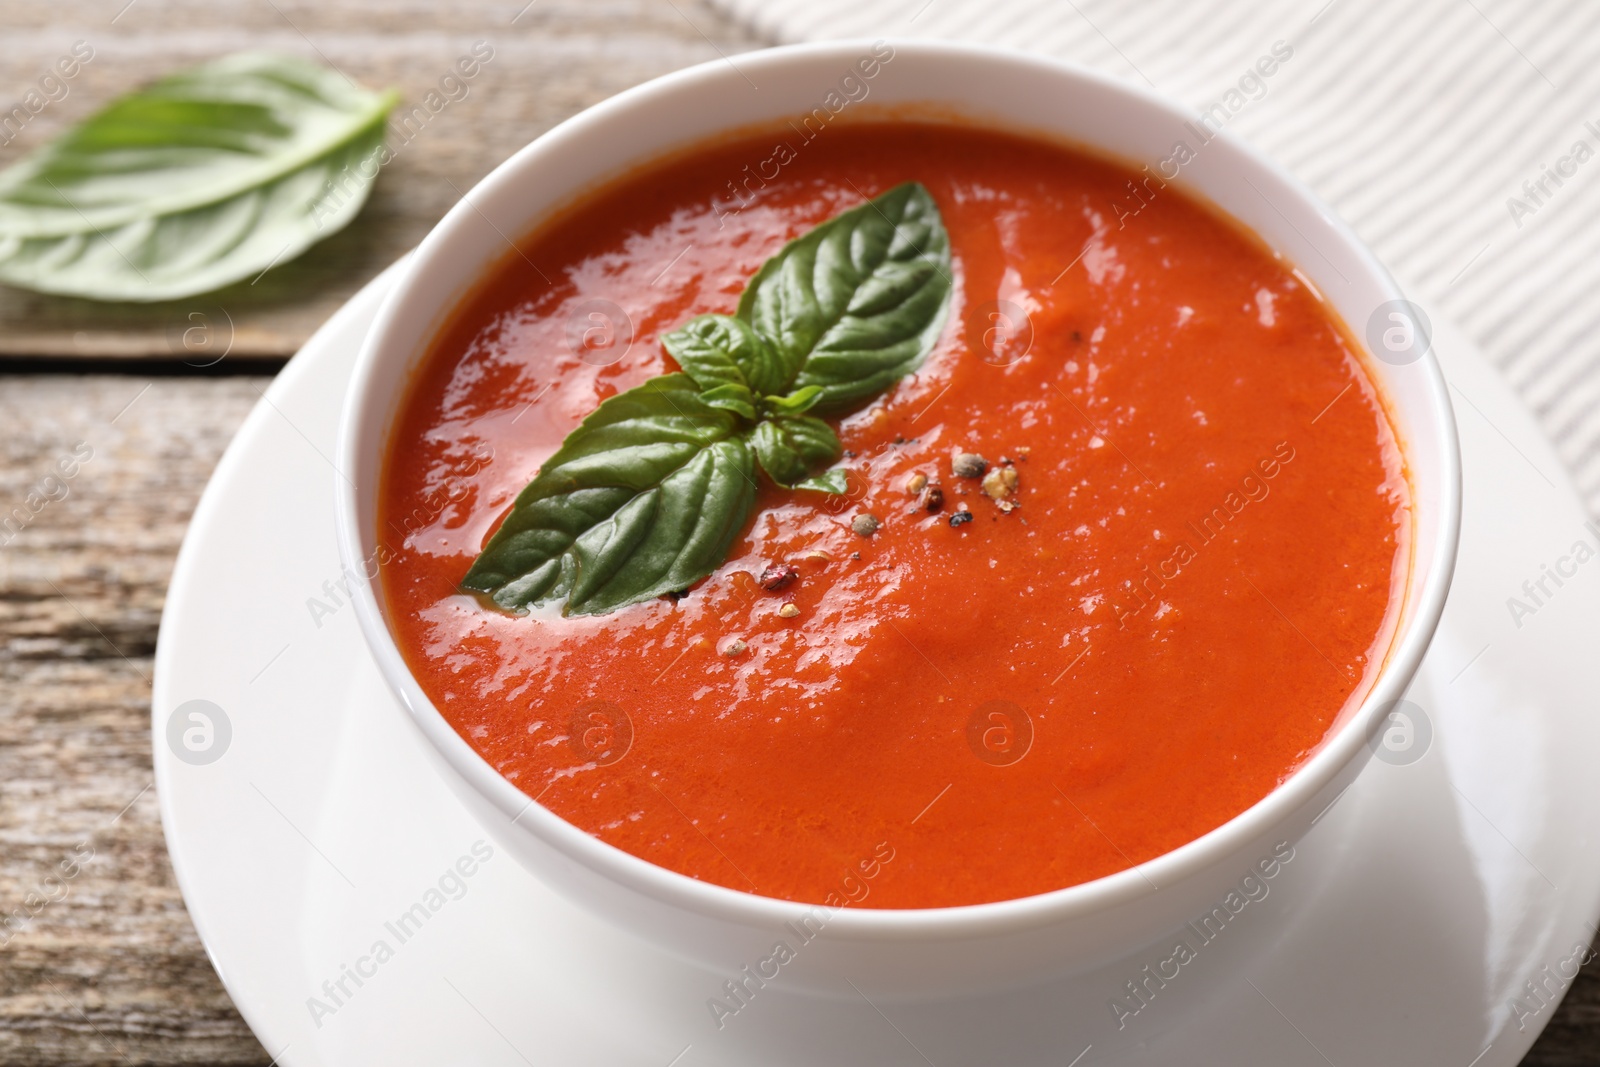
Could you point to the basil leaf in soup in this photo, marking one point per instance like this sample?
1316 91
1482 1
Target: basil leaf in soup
719 350
649 493
796 403
791 447
204 178
643 498
857 303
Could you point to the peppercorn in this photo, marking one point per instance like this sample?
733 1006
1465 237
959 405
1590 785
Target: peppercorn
777 576
969 465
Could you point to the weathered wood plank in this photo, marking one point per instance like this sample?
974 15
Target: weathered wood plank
551 59
105 967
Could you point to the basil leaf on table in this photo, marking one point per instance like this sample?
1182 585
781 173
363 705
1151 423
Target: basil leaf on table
642 499
202 179
858 302
646 496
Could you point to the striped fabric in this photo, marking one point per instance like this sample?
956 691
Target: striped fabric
1460 138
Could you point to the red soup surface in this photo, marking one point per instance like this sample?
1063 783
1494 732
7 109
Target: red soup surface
1203 567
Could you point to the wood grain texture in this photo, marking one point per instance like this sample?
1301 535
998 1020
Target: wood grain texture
556 58
100 963
103 966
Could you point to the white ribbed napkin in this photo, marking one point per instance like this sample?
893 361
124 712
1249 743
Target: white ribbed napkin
1419 122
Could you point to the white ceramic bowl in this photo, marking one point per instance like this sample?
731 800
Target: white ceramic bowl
904 953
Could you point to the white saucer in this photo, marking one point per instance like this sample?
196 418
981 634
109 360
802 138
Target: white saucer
1409 918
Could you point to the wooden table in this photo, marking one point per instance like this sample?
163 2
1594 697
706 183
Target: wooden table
111 971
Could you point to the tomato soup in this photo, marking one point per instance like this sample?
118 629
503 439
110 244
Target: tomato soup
1190 561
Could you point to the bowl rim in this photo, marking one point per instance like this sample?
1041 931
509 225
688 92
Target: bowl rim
1414 627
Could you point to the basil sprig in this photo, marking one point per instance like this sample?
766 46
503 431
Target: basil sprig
646 496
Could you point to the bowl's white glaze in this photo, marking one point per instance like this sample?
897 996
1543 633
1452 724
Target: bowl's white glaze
905 953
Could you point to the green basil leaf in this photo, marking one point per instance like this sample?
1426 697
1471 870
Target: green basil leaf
858 302
791 447
832 481
647 495
202 179
719 350
643 498
735 398
797 402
